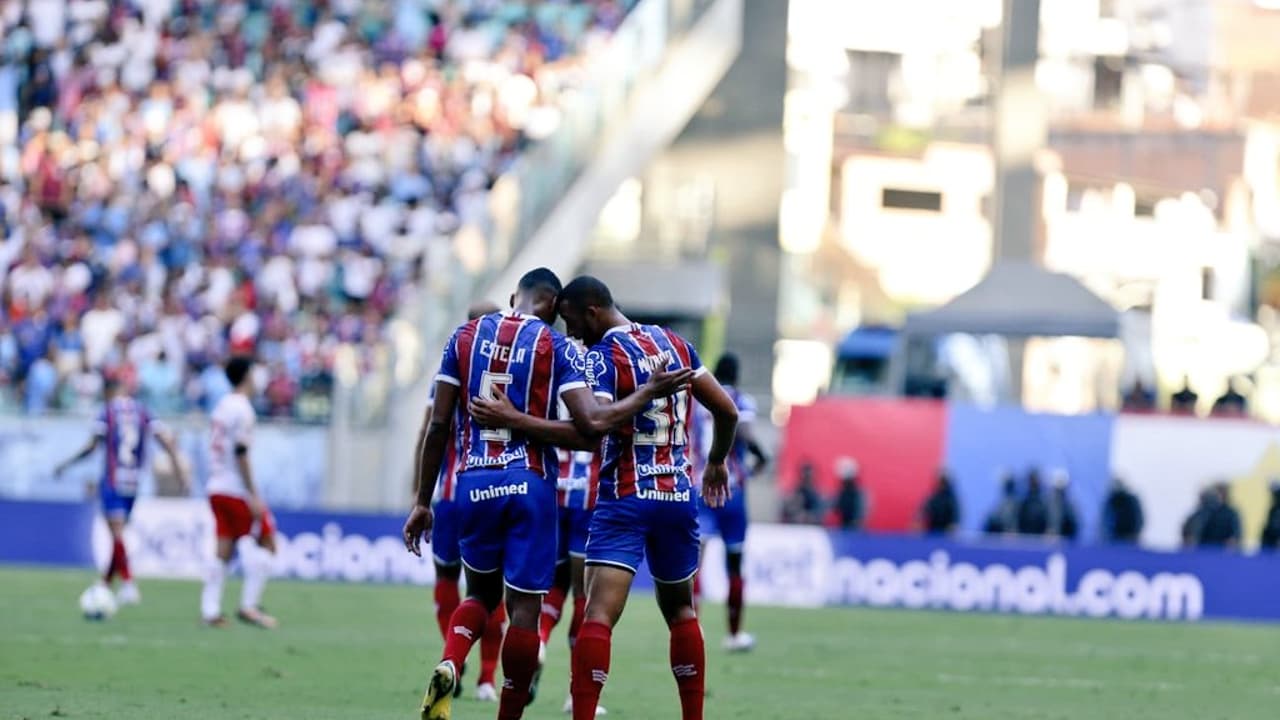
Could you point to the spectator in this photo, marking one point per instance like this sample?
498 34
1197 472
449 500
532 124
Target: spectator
1064 521
100 328
804 507
849 502
41 383
213 164
1122 518
1003 518
940 514
1033 511
160 384
1193 526
1231 403
1271 528
1221 526
1138 399
1184 401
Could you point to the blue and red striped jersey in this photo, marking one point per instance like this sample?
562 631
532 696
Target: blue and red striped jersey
702 433
124 425
573 489
652 452
527 360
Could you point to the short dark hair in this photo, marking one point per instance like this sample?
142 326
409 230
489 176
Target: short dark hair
585 290
727 369
540 279
237 369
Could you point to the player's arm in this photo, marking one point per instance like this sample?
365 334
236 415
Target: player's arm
246 471
94 442
724 416
432 443
170 446
592 415
747 434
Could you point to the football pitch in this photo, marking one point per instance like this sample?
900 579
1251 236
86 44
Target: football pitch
347 651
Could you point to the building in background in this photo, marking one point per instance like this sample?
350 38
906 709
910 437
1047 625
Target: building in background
1158 190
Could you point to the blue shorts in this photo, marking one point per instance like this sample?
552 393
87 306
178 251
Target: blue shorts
507 521
728 522
627 530
444 533
115 505
574 524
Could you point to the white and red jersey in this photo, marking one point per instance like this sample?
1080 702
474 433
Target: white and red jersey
231 424
578 472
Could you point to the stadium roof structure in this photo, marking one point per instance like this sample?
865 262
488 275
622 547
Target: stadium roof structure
1020 299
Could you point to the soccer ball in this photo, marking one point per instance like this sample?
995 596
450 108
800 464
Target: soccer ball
97 603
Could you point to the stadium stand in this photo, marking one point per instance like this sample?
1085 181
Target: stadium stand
184 180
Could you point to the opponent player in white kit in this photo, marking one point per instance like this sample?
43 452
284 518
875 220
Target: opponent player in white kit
238 510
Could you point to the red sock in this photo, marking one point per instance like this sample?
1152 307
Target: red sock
579 614
519 661
110 573
491 646
552 604
120 557
447 600
465 628
689 665
735 604
590 668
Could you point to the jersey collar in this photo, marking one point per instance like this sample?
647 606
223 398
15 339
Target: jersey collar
625 327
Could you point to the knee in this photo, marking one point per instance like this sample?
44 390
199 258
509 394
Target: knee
524 610
678 614
600 615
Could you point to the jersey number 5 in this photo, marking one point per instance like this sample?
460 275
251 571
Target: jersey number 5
664 431
490 382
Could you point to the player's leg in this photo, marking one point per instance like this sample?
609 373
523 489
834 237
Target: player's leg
672 547
448 562
706 528
615 549
128 594
529 569
232 520
731 520
256 556
480 540
491 654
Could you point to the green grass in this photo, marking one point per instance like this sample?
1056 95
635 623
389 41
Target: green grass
364 652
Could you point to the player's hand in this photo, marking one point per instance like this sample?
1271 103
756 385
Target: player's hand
497 412
664 383
255 506
715 485
418 524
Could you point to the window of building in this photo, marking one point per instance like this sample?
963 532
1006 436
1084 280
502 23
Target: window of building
901 199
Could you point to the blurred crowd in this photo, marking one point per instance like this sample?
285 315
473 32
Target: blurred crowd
181 180
1028 508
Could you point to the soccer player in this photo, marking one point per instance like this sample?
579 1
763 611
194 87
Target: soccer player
238 509
506 481
644 506
123 427
730 521
448 558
